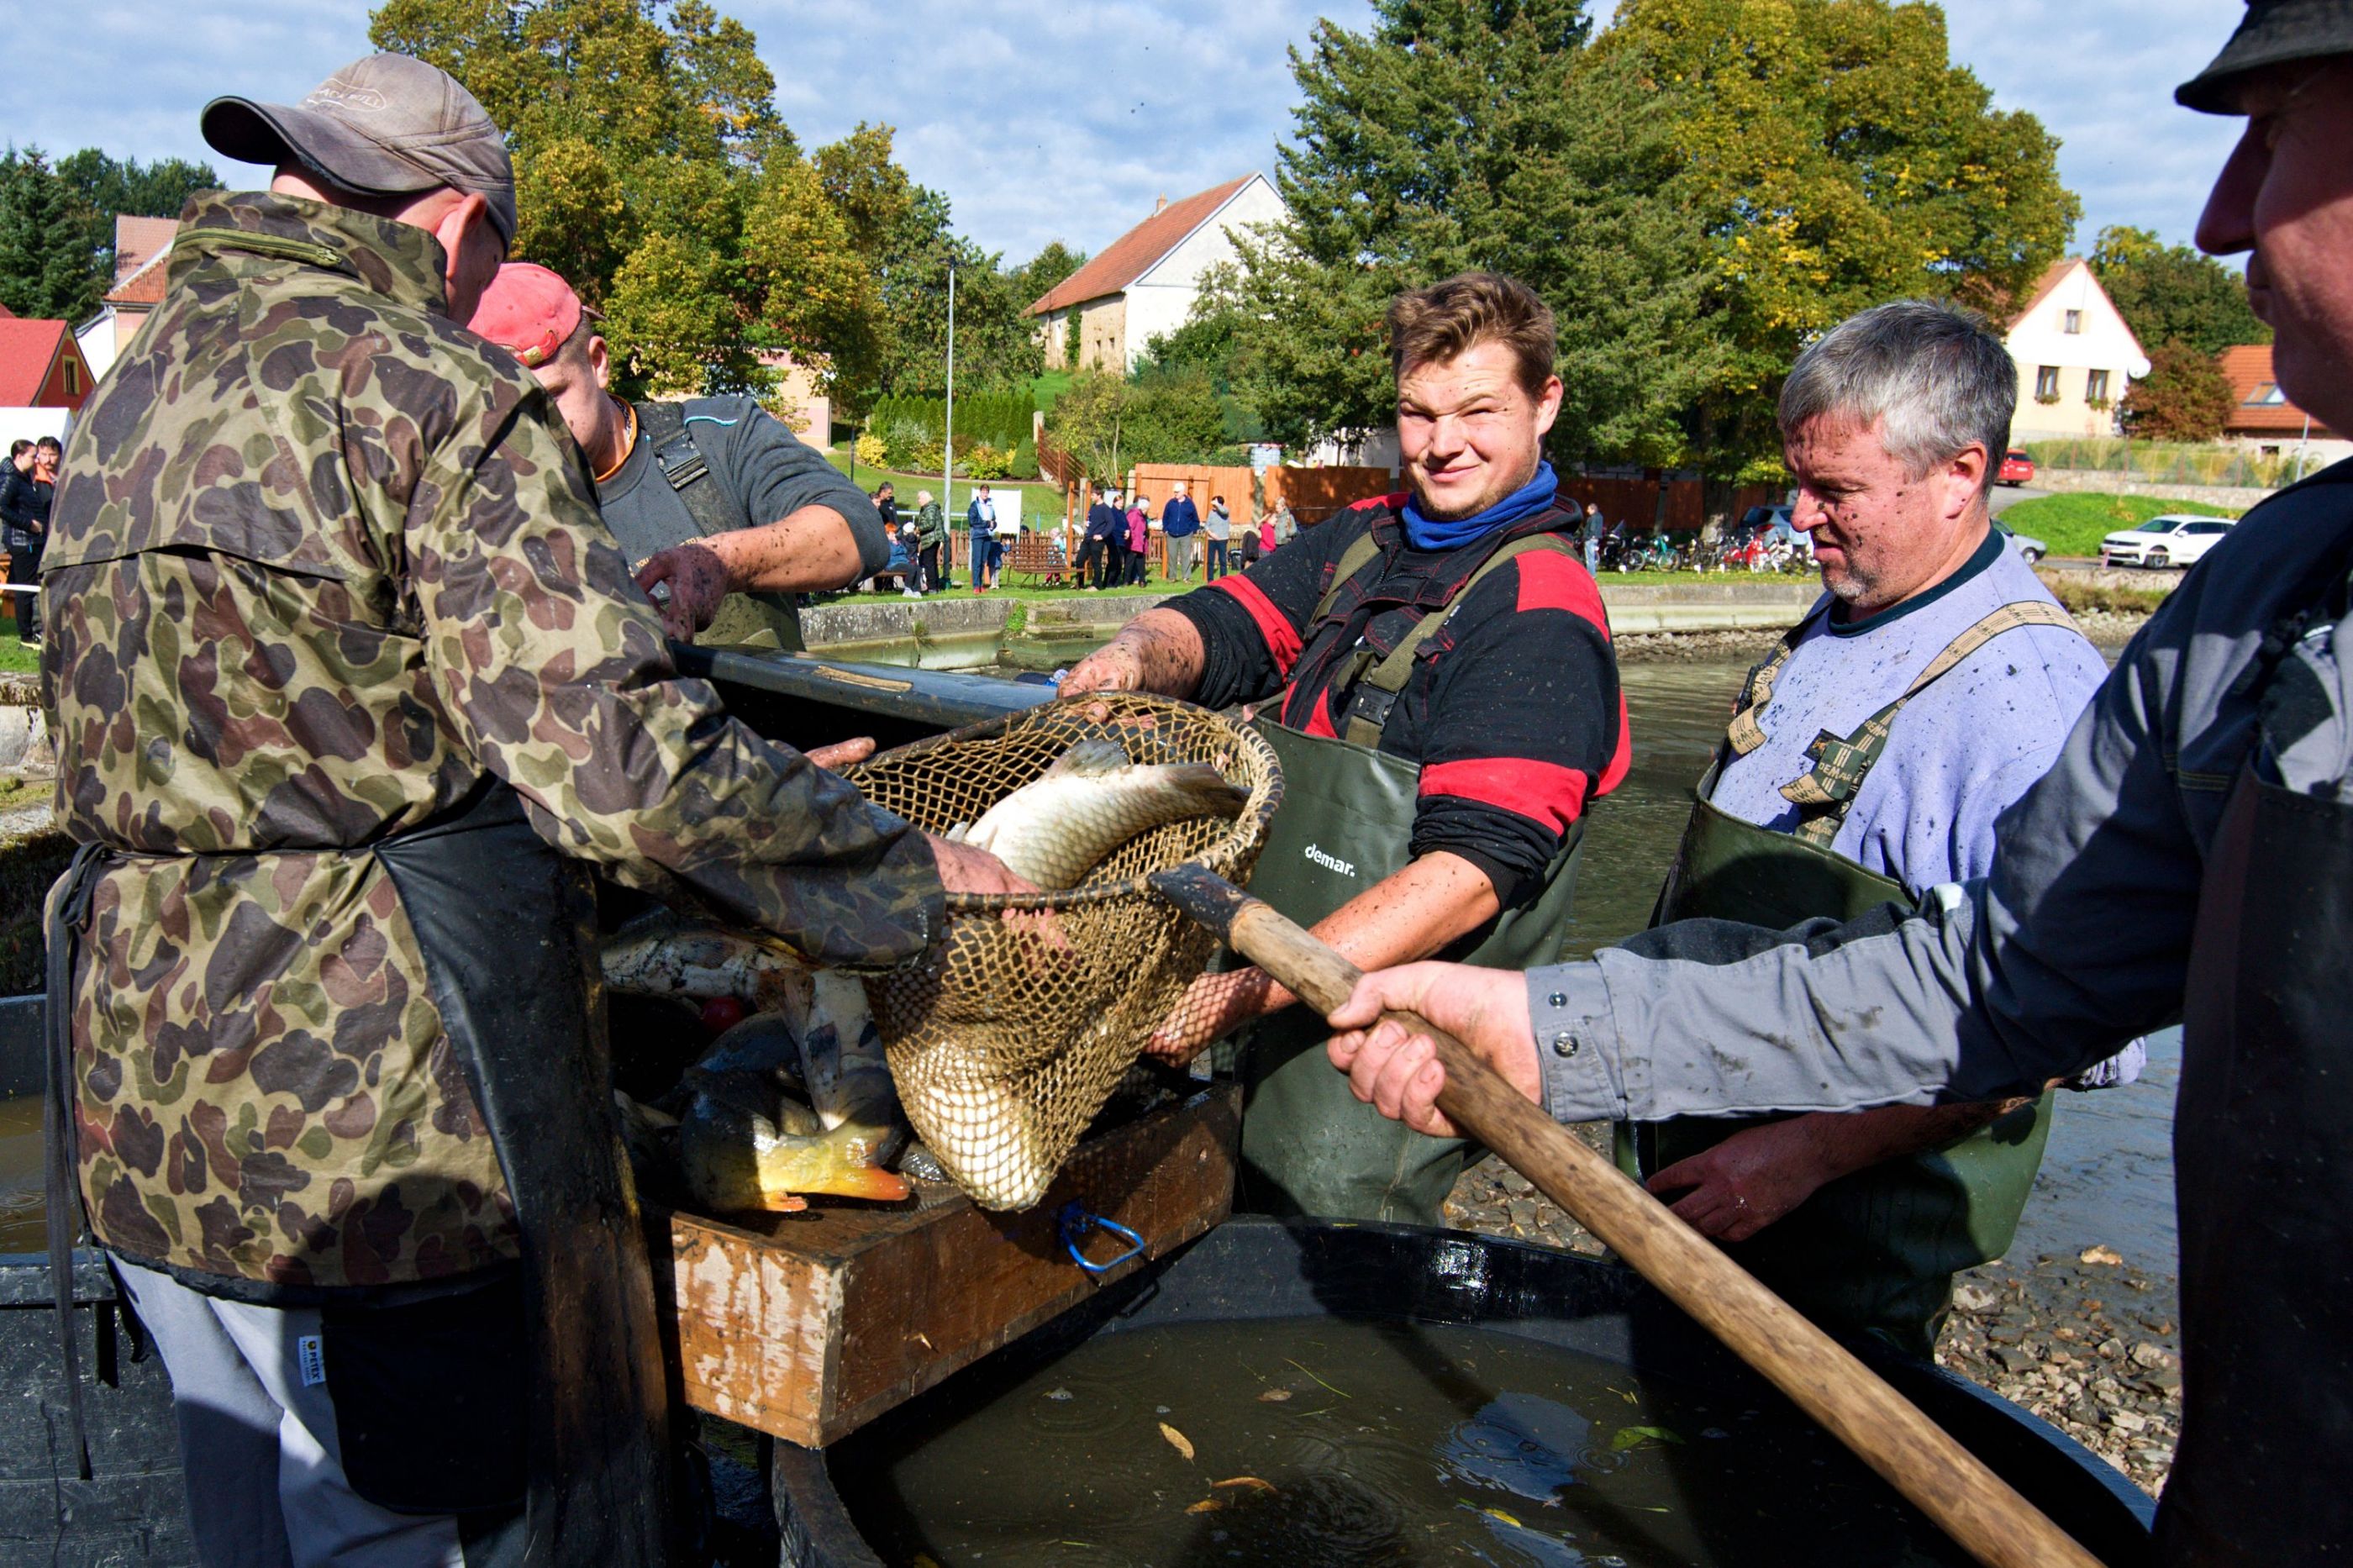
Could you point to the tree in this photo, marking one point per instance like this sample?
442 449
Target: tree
107 190
654 174
47 266
1457 134
2184 398
1838 159
2174 293
1090 421
1036 278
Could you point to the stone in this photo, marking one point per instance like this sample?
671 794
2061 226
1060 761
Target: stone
2149 1355
1977 1299
2104 1255
2127 1420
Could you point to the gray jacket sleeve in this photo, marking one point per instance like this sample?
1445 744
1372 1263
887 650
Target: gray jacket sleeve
776 474
2076 942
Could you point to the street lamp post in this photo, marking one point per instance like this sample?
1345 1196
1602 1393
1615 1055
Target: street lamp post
947 442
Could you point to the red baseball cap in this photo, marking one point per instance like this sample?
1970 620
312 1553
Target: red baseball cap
528 311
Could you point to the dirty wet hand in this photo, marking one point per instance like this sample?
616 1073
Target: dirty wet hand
842 753
1212 1007
1397 1073
1748 1181
697 581
1117 665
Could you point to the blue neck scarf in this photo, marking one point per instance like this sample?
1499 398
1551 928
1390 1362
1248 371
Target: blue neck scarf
1451 533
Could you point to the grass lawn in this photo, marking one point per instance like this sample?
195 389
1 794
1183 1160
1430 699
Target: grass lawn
1049 386
16 658
2075 524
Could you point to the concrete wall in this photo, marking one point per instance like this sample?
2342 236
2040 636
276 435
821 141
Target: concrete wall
2081 481
1159 300
2103 343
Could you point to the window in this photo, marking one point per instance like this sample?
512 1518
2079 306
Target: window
73 378
2071 321
2096 386
2207 528
2046 384
2266 394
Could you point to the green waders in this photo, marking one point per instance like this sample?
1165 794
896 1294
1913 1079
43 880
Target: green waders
1309 1145
1873 1252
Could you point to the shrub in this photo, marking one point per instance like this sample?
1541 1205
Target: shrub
903 441
923 457
872 451
986 462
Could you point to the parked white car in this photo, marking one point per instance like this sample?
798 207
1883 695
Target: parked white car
2177 538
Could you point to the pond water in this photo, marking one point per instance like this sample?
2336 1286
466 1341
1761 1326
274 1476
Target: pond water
1323 1440
22 1226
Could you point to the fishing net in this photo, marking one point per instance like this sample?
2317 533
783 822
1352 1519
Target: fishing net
1006 1041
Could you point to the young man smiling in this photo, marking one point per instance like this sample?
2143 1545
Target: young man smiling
1439 682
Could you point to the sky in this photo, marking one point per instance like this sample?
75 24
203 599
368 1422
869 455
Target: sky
1043 119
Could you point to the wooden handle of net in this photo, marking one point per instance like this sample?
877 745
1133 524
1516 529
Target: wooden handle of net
1978 1509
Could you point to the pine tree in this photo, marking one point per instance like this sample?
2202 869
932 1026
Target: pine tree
48 268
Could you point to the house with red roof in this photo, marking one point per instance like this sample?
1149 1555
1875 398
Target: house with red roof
2075 354
2263 421
1144 283
41 366
143 250
43 378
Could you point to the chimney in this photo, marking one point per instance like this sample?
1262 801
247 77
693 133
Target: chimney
1160 206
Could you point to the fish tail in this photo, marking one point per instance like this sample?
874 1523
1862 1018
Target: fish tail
1206 789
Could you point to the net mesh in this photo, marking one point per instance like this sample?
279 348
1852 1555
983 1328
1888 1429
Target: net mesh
1006 1041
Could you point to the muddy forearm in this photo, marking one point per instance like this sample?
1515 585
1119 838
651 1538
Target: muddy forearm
1159 651
813 550
1842 1142
1404 916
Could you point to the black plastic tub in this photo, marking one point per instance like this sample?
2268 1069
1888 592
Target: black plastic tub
1257 1268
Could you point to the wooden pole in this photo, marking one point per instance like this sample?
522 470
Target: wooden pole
1913 1454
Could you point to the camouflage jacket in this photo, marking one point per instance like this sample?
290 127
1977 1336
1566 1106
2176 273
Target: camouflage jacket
319 561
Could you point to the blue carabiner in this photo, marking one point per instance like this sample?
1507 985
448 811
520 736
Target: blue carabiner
1075 1221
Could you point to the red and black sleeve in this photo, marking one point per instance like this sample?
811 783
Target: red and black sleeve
1525 724
1253 623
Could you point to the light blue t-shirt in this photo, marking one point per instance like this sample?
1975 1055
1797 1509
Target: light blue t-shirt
1957 754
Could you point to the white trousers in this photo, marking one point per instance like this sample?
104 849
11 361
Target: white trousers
265 1476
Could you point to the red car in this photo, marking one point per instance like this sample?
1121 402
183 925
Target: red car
2017 468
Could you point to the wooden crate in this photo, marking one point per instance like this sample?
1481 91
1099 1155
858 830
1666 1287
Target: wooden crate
809 1325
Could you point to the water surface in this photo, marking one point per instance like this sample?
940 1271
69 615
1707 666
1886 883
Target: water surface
1352 1443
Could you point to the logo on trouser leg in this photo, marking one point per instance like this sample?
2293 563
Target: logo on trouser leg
1329 862
311 1356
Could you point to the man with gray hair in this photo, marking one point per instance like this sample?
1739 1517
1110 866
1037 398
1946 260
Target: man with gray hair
1865 762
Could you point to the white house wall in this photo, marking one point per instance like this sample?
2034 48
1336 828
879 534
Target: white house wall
1159 302
2041 339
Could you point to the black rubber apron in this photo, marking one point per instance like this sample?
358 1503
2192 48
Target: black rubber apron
1873 1252
507 927
1309 1145
2263 1176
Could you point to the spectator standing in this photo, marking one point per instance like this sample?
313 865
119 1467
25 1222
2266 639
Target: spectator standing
931 537
1594 528
1253 543
980 523
1139 539
1219 528
1179 521
31 480
1274 528
1099 553
886 503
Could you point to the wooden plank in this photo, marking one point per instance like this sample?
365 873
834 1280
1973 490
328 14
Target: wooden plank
806 1326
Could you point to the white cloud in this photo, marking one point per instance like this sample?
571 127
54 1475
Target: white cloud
1042 119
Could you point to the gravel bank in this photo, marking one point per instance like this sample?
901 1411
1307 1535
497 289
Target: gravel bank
2090 1345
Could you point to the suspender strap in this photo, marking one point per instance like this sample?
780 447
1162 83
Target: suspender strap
681 463
1364 551
1743 736
1824 795
1376 692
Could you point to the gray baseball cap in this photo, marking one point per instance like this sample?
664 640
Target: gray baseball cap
2273 32
386 125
